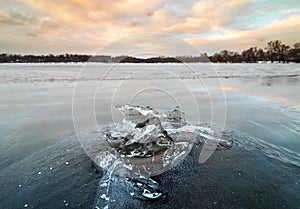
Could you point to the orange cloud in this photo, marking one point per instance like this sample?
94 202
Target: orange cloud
85 26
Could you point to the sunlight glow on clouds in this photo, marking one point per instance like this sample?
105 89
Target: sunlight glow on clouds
75 26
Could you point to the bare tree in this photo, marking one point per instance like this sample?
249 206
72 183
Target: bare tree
272 49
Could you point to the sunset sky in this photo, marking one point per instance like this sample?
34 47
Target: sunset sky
77 26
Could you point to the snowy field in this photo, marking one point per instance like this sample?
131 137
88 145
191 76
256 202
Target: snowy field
32 73
42 164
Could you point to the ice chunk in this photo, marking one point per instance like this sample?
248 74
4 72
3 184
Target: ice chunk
148 142
137 114
145 139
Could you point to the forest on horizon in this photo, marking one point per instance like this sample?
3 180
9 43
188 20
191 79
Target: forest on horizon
275 51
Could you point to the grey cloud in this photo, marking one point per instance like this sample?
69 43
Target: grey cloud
17 18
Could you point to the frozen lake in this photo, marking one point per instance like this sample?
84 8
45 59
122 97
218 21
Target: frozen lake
42 164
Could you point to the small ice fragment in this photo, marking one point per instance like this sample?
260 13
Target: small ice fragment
26 205
50 168
215 202
39 173
131 193
103 196
150 195
67 163
67 204
103 185
65 201
20 185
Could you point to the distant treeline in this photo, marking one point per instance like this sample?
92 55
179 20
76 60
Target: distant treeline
275 51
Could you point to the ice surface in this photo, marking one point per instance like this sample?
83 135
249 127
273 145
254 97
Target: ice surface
37 131
54 72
